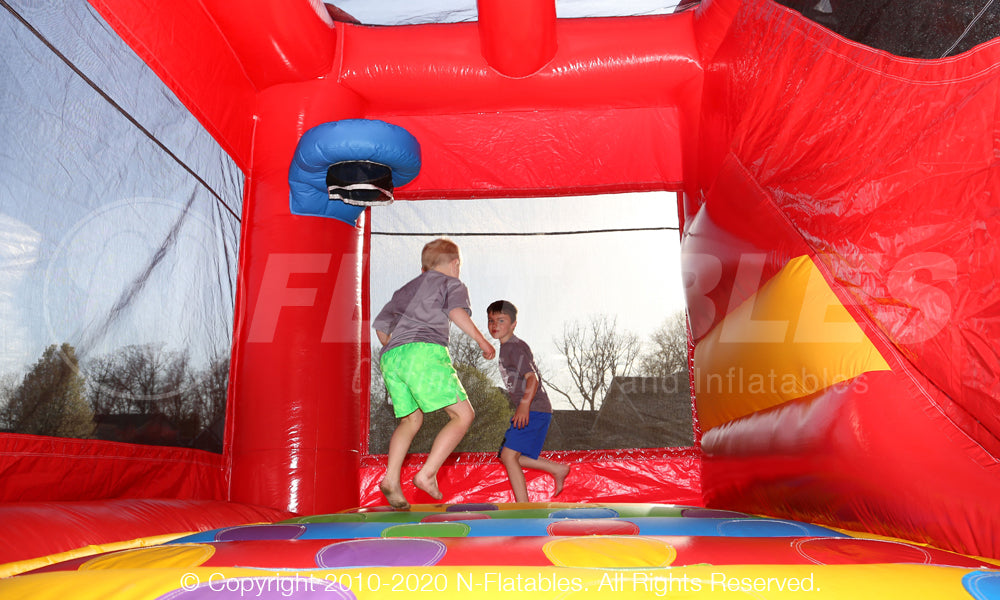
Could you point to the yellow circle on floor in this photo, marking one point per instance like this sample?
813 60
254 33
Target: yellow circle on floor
160 557
609 551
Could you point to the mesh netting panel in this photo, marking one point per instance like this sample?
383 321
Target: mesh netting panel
119 226
912 28
589 276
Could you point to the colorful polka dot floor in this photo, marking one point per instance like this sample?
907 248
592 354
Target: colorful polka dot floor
537 550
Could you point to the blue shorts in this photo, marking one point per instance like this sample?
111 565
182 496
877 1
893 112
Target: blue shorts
529 439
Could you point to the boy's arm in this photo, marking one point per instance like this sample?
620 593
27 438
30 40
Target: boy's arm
523 410
385 322
461 318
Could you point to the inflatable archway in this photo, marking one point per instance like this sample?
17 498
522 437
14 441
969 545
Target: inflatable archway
839 242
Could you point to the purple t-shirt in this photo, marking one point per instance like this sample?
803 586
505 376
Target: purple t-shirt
418 311
516 361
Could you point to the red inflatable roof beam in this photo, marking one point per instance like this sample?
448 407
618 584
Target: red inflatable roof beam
341 15
281 43
517 37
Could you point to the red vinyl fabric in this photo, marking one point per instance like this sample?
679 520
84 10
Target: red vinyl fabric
673 475
39 468
34 530
882 169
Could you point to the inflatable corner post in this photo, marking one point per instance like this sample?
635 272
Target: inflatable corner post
839 249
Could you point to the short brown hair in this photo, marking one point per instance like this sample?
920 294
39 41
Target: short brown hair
503 307
438 251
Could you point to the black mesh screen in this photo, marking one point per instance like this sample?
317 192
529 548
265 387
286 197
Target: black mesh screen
911 28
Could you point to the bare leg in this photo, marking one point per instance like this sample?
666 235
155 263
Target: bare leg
511 462
558 471
399 445
461 415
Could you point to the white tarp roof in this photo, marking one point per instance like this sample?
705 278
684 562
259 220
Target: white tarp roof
412 12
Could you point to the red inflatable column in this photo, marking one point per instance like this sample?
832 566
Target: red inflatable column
517 37
298 359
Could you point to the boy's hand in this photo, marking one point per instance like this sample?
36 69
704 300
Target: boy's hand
461 318
520 419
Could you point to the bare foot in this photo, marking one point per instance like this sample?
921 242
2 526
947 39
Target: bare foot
394 495
560 478
428 484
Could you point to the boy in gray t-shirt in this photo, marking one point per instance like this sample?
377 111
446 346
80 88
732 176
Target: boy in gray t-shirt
413 328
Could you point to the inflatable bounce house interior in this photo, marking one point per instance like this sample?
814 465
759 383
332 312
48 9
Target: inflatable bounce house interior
834 164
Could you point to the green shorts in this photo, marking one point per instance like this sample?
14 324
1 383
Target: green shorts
420 375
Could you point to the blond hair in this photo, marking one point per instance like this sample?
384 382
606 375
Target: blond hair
439 251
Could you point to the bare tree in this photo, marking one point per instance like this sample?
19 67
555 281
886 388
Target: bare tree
596 352
208 392
465 351
140 379
148 394
9 383
550 386
669 352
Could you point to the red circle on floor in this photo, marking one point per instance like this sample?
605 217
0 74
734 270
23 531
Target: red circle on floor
593 527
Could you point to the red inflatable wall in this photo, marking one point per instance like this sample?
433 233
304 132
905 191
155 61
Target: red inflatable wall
873 173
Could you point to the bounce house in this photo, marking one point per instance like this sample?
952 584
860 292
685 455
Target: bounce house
835 165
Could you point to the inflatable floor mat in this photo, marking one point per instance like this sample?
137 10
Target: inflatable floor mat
534 550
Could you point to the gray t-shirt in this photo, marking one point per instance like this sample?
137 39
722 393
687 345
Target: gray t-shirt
516 361
418 311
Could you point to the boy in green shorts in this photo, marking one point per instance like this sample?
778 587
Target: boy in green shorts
413 328
525 436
